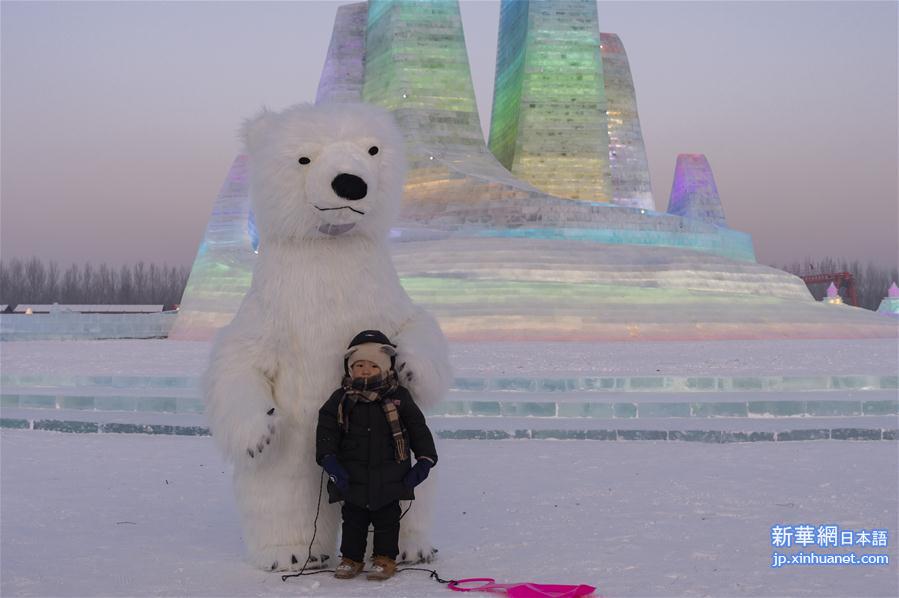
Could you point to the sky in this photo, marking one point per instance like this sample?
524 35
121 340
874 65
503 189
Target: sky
118 120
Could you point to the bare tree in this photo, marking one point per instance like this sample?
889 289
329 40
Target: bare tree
139 280
72 292
53 290
88 280
125 289
12 281
106 284
32 281
35 278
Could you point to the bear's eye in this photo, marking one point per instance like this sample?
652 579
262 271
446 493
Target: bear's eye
373 150
304 160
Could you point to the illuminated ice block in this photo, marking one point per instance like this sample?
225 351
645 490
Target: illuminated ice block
889 306
494 257
416 65
693 192
549 123
629 166
222 270
342 75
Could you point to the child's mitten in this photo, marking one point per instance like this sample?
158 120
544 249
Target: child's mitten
336 472
418 473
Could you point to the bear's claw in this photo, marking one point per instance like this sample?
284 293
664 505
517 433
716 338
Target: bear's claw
422 558
265 440
295 563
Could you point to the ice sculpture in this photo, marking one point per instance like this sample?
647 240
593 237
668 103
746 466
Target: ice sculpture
694 193
833 295
889 305
549 124
628 163
224 264
512 255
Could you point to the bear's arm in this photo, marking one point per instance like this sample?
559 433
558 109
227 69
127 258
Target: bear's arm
422 346
238 383
420 438
327 433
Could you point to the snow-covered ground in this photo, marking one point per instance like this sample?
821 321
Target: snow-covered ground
117 515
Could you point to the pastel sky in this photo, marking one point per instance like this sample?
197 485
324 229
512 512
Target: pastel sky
119 119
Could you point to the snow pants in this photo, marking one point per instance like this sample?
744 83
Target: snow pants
356 520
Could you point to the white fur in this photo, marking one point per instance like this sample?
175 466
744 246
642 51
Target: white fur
311 293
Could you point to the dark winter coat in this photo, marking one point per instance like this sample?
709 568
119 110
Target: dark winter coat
366 450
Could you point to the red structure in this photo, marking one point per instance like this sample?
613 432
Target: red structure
840 279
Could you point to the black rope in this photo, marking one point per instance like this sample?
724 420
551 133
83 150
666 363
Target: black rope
321 485
406 511
284 577
433 573
302 571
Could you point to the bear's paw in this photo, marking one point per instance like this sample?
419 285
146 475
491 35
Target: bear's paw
289 558
415 548
262 433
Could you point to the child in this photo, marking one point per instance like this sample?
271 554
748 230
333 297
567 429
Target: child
364 434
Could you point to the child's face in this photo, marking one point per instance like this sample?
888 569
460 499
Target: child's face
364 369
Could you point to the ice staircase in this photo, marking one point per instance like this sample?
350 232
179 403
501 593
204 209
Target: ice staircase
491 400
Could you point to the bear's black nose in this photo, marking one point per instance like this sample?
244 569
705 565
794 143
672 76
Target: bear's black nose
349 186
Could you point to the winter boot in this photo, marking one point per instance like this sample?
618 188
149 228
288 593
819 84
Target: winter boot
348 569
382 567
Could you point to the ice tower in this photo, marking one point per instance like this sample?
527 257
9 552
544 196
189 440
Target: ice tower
549 124
223 268
629 166
565 245
344 69
693 190
416 65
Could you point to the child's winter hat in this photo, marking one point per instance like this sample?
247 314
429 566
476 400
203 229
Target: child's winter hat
371 345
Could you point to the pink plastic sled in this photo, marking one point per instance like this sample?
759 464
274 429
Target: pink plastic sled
523 590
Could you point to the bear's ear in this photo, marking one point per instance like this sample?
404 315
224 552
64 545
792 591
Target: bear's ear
254 129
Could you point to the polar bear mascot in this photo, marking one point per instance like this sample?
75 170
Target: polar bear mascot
326 183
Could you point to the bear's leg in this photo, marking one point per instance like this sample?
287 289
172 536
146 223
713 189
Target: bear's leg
277 502
415 527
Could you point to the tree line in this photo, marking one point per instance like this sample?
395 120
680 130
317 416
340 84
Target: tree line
34 282
871 281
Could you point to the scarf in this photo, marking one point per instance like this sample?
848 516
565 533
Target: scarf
370 390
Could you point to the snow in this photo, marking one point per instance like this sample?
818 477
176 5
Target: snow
116 515
139 515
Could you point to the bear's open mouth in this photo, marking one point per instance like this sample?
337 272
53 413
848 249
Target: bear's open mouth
340 208
335 229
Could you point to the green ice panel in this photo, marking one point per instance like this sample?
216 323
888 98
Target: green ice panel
549 121
417 65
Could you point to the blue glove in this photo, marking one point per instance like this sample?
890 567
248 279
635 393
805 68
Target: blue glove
336 472
418 473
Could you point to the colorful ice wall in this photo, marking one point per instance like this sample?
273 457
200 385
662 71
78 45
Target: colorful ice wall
344 70
694 194
549 124
493 256
223 268
628 164
416 65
